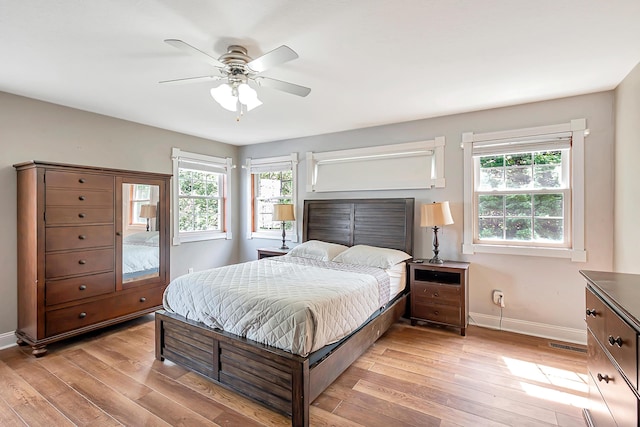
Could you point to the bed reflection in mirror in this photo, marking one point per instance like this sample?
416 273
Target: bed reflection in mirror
141 250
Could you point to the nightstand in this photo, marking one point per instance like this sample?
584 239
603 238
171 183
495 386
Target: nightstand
269 252
439 293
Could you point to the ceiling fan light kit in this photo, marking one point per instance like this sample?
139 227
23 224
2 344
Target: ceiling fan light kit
238 69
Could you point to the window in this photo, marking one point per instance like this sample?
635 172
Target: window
200 196
272 180
139 194
524 191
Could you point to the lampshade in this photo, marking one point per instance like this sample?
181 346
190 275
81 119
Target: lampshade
282 212
228 96
147 211
435 214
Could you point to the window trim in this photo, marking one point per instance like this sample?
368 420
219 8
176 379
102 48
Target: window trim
252 166
578 130
221 164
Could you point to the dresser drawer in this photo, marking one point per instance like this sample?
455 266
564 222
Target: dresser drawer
121 304
61 238
621 341
59 291
78 180
78 215
80 198
78 262
436 313
432 293
595 315
620 399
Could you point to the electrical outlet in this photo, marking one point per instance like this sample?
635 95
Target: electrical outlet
498 298
190 270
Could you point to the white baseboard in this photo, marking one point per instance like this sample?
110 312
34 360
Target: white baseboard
543 330
8 339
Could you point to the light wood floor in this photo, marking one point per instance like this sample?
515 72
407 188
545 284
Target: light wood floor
413 376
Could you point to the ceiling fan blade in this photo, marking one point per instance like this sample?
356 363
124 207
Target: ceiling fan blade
270 59
199 79
283 86
187 48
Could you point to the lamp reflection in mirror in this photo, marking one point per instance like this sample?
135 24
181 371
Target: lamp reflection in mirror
148 212
433 215
283 212
237 97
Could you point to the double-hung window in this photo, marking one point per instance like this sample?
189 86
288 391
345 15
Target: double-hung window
200 196
524 191
272 181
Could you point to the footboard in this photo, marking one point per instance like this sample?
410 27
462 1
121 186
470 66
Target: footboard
277 379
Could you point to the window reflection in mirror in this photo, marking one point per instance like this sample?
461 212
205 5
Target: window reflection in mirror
140 243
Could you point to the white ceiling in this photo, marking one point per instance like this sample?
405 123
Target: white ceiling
368 62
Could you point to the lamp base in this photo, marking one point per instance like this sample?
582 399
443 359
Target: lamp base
436 260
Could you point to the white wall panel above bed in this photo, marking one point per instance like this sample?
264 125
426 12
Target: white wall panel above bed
412 165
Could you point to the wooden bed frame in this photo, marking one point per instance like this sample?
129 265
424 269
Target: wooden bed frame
280 380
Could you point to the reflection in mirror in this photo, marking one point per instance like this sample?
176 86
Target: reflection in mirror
140 245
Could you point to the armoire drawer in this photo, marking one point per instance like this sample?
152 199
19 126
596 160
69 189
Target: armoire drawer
90 236
120 304
80 198
78 215
63 264
78 180
59 291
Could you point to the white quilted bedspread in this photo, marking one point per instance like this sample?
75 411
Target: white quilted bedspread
295 307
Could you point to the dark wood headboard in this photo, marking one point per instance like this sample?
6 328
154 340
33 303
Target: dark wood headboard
376 222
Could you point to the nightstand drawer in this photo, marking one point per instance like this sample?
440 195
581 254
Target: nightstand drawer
445 314
432 293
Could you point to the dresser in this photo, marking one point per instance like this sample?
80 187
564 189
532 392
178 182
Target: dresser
85 257
439 293
613 326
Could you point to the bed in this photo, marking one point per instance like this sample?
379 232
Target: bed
277 378
140 255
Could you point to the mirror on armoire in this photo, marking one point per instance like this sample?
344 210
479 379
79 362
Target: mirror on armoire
140 237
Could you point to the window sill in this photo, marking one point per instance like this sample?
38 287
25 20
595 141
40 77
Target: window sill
573 254
200 236
273 236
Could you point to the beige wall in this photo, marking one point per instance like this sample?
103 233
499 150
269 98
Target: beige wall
35 130
627 175
544 296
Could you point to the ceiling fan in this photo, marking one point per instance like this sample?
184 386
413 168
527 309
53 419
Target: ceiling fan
238 69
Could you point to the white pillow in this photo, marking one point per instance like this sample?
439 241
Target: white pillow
318 250
372 256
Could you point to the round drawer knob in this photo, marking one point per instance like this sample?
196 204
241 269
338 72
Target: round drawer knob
615 341
81 181
82 262
81 198
605 378
82 237
435 294
81 215
591 312
82 287
436 312
118 233
143 299
82 315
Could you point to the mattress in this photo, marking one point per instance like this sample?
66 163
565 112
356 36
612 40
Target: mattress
295 304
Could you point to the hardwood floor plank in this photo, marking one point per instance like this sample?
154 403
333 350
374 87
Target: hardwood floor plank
412 376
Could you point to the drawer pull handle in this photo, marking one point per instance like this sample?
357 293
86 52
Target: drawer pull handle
82 262
615 341
82 315
605 378
81 198
82 287
82 237
591 312
143 299
81 215
118 233
436 312
81 181
435 294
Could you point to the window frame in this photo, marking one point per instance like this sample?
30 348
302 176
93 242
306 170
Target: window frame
272 164
203 162
528 140
132 203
